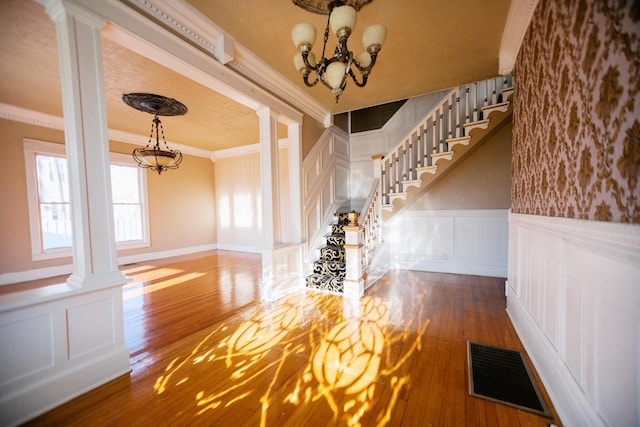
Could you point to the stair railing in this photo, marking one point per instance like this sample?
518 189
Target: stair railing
361 239
434 136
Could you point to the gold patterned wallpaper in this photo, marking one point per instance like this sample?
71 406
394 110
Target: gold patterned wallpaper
576 108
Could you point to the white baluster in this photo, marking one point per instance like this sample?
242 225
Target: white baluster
486 93
474 98
494 94
458 115
466 105
450 121
398 172
441 131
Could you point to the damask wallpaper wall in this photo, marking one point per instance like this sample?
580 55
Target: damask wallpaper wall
576 127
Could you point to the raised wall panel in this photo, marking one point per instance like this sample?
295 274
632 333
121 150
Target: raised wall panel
85 337
577 311
341 148
455 241
320 192
342 183
31 349
55 344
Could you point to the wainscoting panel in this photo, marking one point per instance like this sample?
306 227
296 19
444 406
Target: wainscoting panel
450 241
573 295
326 186
86 337
58 343
31 352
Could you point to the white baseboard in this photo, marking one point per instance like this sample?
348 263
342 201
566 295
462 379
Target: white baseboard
567 397
450 266
470 242
60 270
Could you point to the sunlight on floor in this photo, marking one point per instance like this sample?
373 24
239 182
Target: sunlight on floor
301 350
137 289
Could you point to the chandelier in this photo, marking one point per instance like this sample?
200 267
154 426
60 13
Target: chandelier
333 72
153 156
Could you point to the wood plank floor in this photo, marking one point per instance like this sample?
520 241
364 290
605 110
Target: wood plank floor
205 351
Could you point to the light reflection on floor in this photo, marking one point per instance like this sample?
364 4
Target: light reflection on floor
302 350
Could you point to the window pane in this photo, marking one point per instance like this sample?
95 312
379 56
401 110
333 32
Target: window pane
128 220
127 206
53 179
124 184
55 220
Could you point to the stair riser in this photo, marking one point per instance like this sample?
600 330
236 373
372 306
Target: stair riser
332 253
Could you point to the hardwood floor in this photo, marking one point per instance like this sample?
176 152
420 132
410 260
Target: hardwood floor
205 351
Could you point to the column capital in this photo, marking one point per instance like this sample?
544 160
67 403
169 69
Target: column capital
59 9
266 113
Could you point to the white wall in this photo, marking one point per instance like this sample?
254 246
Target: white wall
451 241
238 205
573 295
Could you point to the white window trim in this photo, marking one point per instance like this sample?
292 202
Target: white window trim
127 160
33 147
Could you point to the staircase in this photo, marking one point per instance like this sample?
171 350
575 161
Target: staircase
464 119
460 122
329 271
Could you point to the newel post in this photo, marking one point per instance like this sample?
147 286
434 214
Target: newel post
353 245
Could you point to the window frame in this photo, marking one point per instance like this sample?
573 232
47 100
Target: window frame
32 148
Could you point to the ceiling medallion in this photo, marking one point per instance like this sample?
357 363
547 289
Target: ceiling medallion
324 7
154 104
154 156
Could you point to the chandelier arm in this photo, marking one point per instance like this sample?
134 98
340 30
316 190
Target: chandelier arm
365 76
307 64
305 78
367 69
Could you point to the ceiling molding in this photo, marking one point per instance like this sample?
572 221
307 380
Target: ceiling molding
200 31
518 19
30 117
244 150
253 67
185 20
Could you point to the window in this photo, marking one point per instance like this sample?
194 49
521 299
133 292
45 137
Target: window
50 207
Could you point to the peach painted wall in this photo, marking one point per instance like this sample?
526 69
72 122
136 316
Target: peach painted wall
181 202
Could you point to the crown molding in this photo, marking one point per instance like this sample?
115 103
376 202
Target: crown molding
186 21
254 68
30 117
518 19
199 30
243 150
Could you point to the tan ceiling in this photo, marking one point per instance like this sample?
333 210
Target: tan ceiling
431 45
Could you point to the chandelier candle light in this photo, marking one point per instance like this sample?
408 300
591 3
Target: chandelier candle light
153 156
333 72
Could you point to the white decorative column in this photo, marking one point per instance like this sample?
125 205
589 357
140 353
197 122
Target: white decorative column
294 132
270 197
63 340
87 145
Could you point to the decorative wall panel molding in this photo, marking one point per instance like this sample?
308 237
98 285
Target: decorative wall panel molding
574 299
450 241
325 186
62 343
